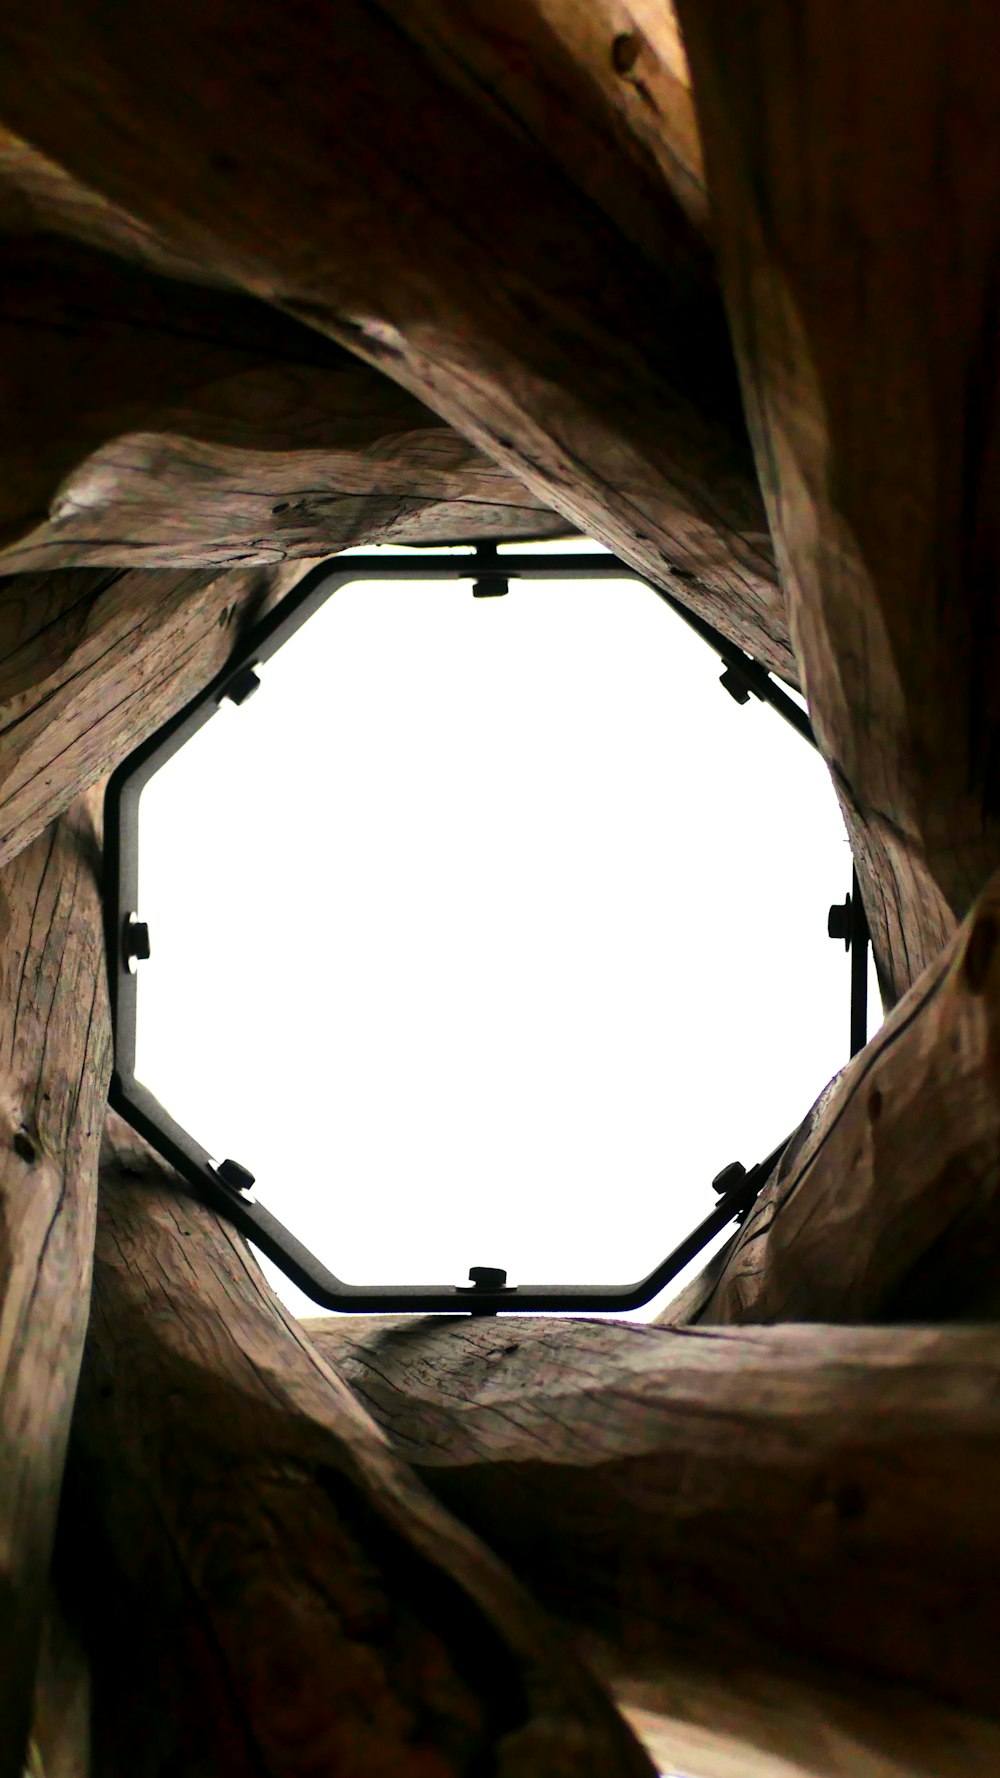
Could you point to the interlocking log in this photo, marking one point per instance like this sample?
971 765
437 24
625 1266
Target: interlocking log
37 197
483 277
267 1589
700 1507
854 172
150 423
886 1203
54 1067
92 661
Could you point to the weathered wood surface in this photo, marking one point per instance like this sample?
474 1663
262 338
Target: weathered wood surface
705 1509
267 1588
483 278
886 1204
854 175
150 423
54 1067
604 84
93 660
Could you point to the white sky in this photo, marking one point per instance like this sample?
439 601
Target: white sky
489 930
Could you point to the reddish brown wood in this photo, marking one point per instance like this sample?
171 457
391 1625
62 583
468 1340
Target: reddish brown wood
854 173
267 1588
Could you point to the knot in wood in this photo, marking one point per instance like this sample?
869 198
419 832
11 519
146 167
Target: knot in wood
625 51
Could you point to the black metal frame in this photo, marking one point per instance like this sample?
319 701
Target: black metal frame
225 1184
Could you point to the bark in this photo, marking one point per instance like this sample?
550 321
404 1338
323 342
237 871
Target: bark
854 173
54 1067
704 1510
266 1588
150 423
886 1203
460 250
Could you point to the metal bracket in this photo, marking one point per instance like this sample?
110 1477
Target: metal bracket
224 1185
847 920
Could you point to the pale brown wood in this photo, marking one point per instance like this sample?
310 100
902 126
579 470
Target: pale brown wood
854 172
54 1067
702 1510
395 202
886 1204
268 1589
150 423
92 661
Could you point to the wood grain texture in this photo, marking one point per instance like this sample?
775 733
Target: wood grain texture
886 1203
854 171
484 278
270 1589
59 1746
706 1509
54 1066
150 423
92 661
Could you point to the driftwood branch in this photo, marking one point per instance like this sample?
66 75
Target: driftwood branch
485 278
697 1507
886 1204
54 1067
854 202
266 1588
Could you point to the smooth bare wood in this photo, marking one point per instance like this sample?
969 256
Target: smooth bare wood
854 172
92 661
54 1067
886 1203
705 1509
268 1589
392 200
150 423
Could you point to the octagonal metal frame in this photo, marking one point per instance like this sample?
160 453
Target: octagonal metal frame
225 1185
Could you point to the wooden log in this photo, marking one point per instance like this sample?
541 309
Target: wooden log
38 197
54 1066
267 1589
149 423
59 1745
854 171
703 1510
92 661
454 253
886 1203
603 83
